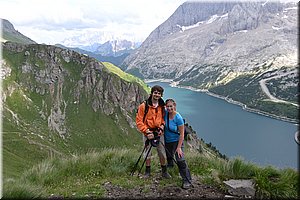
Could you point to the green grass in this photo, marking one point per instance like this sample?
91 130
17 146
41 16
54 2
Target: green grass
82 174
270 182
13 60
128 77
96 130
85 175
25 146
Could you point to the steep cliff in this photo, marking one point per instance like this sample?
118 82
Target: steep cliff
58 102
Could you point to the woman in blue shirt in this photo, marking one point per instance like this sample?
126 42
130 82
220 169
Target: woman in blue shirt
174 136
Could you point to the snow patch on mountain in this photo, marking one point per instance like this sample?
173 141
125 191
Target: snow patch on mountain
209 21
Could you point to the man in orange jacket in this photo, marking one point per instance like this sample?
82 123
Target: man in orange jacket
153 122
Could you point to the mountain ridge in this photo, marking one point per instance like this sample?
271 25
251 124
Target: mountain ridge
10 34
116 60
111 47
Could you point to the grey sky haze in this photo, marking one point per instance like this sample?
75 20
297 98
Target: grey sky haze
55 21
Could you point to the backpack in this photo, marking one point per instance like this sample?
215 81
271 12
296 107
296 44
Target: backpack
147 109
185 129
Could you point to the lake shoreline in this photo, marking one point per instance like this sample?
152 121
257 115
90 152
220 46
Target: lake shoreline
244 107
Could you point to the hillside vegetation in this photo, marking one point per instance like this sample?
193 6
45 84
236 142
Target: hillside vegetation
128 77
91 175
52 109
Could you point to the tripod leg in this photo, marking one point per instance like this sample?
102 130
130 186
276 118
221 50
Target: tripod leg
145 159
135 166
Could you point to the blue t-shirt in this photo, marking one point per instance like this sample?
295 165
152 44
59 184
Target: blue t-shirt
173 125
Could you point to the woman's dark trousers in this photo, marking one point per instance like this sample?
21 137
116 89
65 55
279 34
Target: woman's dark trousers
181 163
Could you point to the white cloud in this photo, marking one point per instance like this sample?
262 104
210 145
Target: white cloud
52 21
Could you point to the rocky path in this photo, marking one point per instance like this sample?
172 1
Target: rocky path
156 190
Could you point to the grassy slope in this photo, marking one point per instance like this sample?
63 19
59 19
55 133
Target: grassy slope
126 76
27 139
85 175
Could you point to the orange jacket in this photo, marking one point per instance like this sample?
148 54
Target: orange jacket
153 119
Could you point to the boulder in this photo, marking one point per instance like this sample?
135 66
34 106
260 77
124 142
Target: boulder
241 188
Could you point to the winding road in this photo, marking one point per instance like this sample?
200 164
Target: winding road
265 89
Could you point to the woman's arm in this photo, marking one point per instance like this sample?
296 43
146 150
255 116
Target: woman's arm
180 142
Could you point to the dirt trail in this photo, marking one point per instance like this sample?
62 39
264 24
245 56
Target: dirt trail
173 191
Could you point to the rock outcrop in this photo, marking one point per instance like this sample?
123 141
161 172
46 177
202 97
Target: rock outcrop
69 78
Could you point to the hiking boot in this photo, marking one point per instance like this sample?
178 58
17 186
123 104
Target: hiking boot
165 175
147 172
164 172
186 185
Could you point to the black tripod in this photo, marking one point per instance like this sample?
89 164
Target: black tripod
136 164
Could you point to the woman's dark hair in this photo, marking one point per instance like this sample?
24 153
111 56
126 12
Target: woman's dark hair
157 88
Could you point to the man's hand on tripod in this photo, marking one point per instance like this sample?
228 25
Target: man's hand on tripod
160 130
150 134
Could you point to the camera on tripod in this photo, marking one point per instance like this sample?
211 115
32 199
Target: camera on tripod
155 141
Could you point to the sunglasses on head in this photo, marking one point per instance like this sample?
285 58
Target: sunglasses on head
168 100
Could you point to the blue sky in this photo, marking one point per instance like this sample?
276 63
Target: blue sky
52 21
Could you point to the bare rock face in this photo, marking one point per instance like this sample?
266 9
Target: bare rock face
218 38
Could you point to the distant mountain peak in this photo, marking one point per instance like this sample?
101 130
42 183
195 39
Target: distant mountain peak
96 38
102 44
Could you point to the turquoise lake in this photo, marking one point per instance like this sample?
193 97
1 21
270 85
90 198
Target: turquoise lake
234 131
